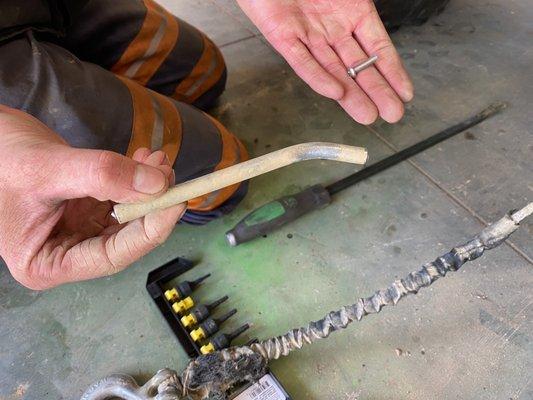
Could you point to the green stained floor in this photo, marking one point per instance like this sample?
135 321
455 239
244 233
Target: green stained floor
467 337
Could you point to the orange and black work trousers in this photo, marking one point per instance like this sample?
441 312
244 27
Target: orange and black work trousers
124 74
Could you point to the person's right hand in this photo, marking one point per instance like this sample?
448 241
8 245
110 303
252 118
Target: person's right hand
55 204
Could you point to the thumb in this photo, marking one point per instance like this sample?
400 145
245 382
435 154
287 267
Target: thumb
106 175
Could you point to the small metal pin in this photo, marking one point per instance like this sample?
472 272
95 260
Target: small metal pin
353 71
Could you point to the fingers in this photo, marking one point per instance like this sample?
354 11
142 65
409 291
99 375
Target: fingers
106 175
108 254
354 101
388 103
138 238
307 68
374 39
68 260
120 245
374 92
141 154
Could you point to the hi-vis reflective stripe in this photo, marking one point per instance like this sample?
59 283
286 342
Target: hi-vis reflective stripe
156 121
233 152
159 126
134 67
212 77
173 130
149 49
207 71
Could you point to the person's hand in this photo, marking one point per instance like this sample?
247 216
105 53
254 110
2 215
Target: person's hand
320 39
55 204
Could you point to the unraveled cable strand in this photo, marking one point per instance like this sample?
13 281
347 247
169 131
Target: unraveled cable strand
490 237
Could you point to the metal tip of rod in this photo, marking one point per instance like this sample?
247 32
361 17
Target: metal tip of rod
494 108
231 239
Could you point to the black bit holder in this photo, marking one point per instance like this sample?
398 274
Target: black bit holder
155 283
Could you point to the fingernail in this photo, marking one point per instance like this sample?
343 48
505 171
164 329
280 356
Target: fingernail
148 180
408 93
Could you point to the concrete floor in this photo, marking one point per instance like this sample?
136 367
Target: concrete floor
467 337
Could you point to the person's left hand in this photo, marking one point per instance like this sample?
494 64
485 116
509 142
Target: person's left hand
320 39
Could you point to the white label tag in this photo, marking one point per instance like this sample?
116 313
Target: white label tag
265 389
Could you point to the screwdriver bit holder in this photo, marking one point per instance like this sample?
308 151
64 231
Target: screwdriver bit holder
180 312
156 286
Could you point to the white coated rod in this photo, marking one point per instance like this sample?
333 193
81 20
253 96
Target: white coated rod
240 172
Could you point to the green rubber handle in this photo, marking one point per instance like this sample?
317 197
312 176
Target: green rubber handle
277 213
